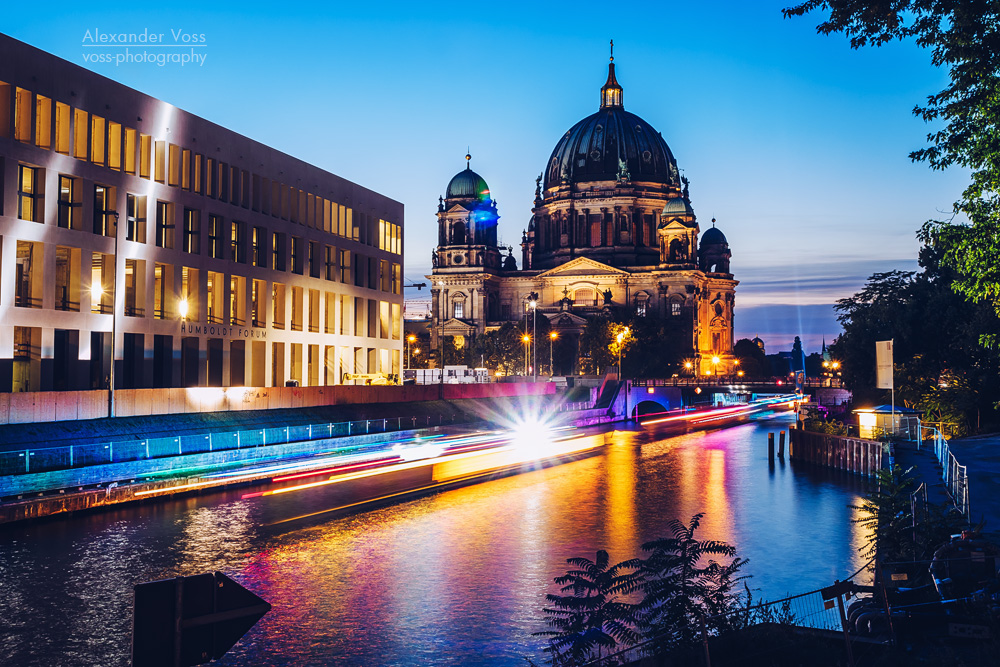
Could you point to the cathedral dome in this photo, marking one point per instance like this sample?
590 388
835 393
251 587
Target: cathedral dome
468 184
595 148
677 206
713 236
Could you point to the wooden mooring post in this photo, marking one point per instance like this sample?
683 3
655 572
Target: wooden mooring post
781 445
770 447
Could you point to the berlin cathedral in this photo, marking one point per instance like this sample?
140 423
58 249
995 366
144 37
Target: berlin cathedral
612 231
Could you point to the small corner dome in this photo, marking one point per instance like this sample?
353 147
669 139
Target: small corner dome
468 184
678 206
714 236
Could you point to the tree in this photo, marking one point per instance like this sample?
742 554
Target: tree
753 361
940 366
682 585
595 341
502 349
964 36
591 621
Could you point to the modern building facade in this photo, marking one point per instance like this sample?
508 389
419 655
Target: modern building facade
191 254
612 229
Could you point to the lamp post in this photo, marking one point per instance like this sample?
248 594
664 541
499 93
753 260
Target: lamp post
620 337
715 367
114 320
552 337
526 339
409 341
534 357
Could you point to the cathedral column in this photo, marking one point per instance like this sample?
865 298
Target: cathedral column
435 317
480 300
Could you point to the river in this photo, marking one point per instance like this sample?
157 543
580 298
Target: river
454 578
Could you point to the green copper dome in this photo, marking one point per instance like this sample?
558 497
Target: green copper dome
468 184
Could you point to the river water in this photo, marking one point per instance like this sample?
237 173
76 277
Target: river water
455 578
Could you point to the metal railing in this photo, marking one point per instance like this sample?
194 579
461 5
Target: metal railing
954 475
46 459
712 380
818 610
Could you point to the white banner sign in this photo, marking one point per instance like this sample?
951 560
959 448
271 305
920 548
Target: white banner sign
883 364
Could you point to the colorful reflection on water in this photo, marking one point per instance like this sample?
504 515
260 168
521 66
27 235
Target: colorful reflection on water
457 578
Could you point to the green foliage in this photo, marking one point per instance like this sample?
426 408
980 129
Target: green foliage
941 368
830 428
963 36
502 349
592 621
680 582
753 361
665 340
886 514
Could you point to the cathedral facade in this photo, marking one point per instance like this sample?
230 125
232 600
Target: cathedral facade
612 231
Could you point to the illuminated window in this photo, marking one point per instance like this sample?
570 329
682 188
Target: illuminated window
345 267
215 302
237 300
278 251
43 122
397 279
173 164
257 302
164 224
104 205
197 172
130 149
296 309
135 218
237 239
297 255
186 169
259 251
63 136
192 231
115 146
22 115
188 306
460 309
29 196
145 154
215 236
70 202
134 292
79 134
67 278
278 306
314 295
28 275
331 263
675 308
160 161
97 147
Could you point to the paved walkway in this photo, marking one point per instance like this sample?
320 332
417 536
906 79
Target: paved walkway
925 468
981 456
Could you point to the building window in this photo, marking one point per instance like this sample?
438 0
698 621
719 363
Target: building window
297 255
296 308
164 224
135 218
259 252
134 280
130 149
640 308
215 236
28 275
104 204
278 306
67 278
345 267
256 303
145 155
43 122
237 238
331 263
314 259
29 193
69 202
675 308
192 231
459 309
278 251
216 290
237 300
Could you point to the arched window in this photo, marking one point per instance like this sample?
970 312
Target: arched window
584 296
458 233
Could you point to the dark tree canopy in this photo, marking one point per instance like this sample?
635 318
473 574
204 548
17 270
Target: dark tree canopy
964 37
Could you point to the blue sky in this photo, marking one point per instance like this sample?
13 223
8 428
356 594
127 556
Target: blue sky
795 143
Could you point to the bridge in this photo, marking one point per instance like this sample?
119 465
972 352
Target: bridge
662 394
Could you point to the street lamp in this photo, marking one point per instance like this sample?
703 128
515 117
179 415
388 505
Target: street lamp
409 340
114 322
552 336
526 339
620 337
534 357
715 366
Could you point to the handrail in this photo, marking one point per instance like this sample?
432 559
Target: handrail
954 475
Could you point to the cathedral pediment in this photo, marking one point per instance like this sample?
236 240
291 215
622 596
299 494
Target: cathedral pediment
674 225
457 327
582 266
566 319
458 208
